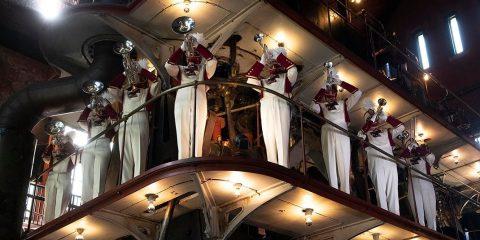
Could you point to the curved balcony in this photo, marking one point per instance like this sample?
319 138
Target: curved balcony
241 189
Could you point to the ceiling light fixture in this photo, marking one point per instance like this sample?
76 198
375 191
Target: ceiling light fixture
308 216
80 234
186 6
238 189
151 197
50 9
280 38
426 77
455 159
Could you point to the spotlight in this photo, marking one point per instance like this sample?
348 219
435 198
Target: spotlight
237 190
151 197
308 216
80 234
50 9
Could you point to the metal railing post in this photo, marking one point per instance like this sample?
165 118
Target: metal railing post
32 205
194 134
304 158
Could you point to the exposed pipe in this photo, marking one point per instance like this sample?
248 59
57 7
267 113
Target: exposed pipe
21 112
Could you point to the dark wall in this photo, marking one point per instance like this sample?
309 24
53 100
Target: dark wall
459 73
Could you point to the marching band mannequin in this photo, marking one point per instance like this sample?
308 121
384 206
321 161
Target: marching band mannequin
336 144
274 111
133 135
194 70
96 155
382 171
423 204
58 185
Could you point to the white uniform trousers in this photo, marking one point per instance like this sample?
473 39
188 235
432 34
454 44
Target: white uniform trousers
384 177
95 159
135 146
57 194
426 202
184 109
275 114
336 154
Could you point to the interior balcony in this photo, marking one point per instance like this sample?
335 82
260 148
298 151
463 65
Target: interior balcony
220 195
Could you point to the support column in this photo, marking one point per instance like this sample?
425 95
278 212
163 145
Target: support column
17 148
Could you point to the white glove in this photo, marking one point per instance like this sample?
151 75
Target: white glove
194 43
263 59
362 135
382 117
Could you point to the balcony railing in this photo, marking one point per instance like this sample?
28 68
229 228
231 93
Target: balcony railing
304 119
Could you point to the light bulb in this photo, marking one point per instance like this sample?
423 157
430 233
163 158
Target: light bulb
237 190
426 77
455 159
308 216
186 6
151 197
80 234
50 9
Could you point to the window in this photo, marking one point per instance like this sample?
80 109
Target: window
422 48
455 35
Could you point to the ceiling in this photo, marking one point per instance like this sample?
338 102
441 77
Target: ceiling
283 213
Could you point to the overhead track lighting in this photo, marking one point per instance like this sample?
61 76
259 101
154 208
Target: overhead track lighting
186 6
79 235
308 216
50 9
237 189
151 197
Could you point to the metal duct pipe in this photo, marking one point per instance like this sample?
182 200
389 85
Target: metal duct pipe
18 116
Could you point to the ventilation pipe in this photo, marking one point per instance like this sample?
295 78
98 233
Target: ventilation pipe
18 116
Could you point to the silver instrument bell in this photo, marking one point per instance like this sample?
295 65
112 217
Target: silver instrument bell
54 127
183 25
123 47
382 102
92 87
259 37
